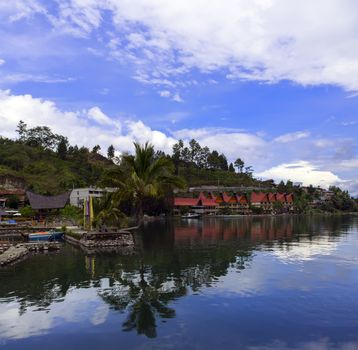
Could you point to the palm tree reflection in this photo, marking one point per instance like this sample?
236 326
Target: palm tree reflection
145 297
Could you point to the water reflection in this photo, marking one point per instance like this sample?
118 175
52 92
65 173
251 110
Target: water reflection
174 259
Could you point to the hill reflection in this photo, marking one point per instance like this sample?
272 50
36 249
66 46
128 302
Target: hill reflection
173 259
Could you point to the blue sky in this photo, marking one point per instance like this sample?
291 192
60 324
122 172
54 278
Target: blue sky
269 81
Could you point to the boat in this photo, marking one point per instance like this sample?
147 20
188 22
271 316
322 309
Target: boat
191 216
50 235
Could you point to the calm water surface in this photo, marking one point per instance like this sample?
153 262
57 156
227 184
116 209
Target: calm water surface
252 283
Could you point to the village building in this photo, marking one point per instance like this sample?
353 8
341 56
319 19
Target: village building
46 206
261 200
212 204
79 195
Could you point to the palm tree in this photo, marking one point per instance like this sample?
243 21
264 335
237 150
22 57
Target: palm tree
148 176
108 212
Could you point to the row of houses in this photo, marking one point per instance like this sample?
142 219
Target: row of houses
212 204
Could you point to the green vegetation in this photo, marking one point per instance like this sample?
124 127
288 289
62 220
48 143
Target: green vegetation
200 166
138 177
70 212
27 212
47 163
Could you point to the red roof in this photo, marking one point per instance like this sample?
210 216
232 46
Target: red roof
185 202
226 198
8 192
289 198
202 195
272 197
207 202
211 196
242 199
258 197
281 197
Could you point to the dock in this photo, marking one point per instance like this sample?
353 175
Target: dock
16 252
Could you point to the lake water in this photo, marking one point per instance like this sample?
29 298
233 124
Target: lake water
285 283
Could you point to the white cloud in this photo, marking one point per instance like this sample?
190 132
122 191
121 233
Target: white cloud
73 309
310 44
77 126
172 96
93 126
164 93
14 78
233 143
99 117
18 9
2 61
290 137
301 171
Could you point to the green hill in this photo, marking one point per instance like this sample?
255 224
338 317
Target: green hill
44 171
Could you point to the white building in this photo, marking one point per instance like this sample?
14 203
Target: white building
78 195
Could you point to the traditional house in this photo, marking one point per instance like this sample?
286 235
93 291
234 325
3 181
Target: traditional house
200 205
182 203
260 200
47 205
239 204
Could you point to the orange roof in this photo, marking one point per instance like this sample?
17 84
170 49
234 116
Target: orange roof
233 199
222 197
242 199
185 202
258 197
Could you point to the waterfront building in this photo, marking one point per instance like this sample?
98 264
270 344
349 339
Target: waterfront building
212 204
79 195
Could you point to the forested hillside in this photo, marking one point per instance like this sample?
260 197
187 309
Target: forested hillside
50 165
47 163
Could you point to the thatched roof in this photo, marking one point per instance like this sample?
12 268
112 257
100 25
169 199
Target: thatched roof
38 201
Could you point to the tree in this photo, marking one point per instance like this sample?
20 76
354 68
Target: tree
62 148
110 152
177 151
281 188
202 157
27 211
249 171
231 168
195 149
223 162
147 177
239 164
214 160
21 130
96 149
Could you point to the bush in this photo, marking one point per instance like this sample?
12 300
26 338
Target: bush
27 211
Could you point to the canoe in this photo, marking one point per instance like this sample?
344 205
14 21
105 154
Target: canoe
191 216
45 236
